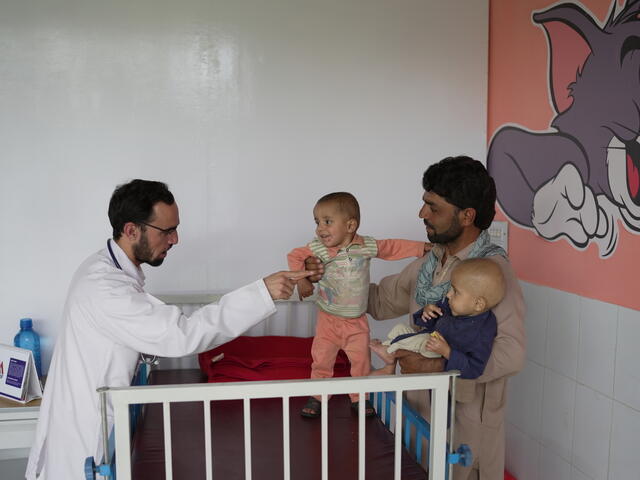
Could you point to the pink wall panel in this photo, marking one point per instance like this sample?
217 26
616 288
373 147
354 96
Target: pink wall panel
591 249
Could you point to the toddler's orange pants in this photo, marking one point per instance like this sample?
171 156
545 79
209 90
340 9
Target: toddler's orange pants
334 333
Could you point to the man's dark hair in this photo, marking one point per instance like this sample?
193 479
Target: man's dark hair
464 183
346 202
134 201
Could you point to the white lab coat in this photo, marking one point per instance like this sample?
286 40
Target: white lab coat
108 319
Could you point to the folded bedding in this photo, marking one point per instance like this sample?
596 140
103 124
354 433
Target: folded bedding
264 358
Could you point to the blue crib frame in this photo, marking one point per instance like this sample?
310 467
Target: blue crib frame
382 402
107 468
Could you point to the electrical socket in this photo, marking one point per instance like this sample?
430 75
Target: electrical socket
499 233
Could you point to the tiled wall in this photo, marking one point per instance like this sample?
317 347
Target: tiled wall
574 411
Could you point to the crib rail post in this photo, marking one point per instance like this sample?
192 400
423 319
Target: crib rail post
102 392
286 439
398 437
168 458
207 440
324 419
361 443
122 437
246 408
437 449
452 426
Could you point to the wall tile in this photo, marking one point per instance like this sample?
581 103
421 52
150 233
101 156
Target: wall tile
523 455
524 400
597 345
583 361
627 374
537 301
553 467
623 459
557 413
562 333
591 432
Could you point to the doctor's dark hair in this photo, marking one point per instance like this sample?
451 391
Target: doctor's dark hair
134 201
464 183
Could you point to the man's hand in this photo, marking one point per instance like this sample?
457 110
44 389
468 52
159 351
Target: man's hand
280 284
305 288
412 362
314 264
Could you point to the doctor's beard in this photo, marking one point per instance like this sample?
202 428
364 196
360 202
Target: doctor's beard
143 253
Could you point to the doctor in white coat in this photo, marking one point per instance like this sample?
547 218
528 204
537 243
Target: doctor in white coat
109 318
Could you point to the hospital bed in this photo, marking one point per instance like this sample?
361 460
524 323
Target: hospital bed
185 428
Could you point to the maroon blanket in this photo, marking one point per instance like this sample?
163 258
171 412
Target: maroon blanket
264 358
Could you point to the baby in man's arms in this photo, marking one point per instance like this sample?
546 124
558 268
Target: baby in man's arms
461 327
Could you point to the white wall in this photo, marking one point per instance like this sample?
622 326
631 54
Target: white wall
574 411
250 110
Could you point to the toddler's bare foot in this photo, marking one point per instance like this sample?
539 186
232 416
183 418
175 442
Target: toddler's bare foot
381 350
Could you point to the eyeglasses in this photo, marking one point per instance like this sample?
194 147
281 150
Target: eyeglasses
165 231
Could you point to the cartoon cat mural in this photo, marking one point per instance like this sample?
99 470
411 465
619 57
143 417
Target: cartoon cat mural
582 177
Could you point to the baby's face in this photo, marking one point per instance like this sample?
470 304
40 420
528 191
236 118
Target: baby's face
333 228
461 299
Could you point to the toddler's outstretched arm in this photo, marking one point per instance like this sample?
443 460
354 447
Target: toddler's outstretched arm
397 249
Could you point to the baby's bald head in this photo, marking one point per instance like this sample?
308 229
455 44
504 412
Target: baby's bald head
482 279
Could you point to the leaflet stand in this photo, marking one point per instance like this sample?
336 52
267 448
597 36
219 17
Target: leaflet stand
18 376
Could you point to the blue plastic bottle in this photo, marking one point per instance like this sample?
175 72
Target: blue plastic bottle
29 339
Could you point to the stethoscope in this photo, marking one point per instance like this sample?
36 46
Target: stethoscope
152 360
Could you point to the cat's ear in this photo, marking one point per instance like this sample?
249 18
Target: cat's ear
571 37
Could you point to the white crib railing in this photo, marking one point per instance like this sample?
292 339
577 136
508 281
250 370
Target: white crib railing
294 318
438 383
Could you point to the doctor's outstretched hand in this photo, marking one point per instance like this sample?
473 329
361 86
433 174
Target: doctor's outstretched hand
280 284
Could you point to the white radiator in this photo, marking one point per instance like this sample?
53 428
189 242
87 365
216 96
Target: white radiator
293 318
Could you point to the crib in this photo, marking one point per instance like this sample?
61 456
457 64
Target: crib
281 399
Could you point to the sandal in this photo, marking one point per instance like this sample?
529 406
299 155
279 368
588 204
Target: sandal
369 411
312 408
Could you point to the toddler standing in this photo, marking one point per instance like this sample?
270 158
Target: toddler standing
344 288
